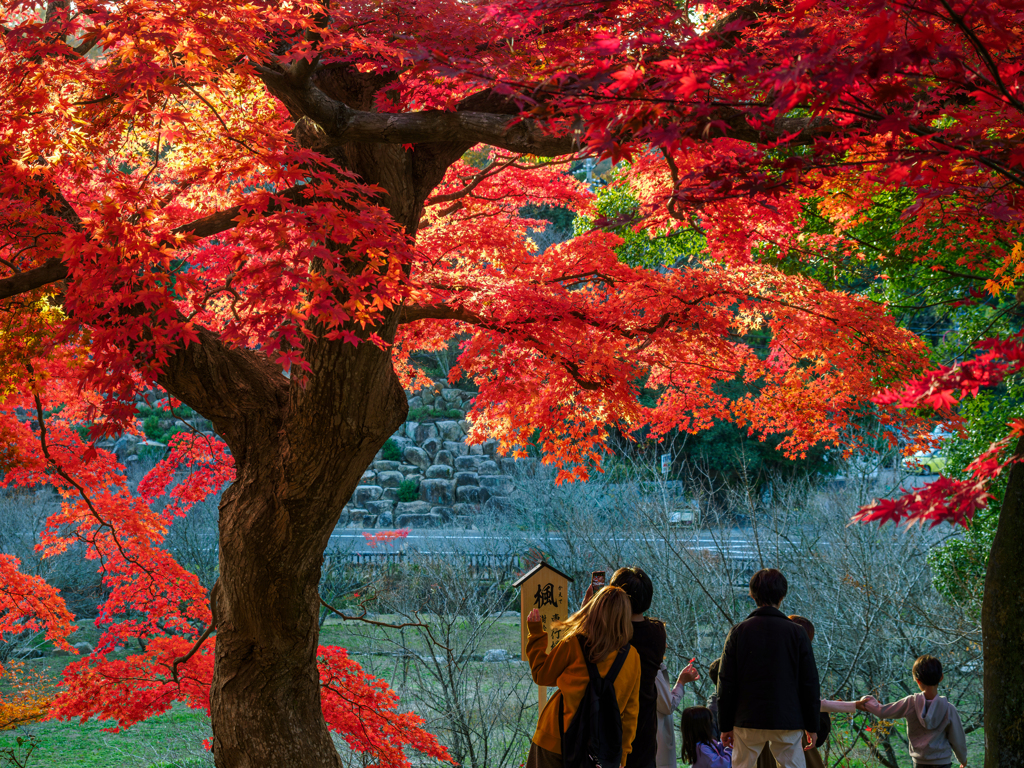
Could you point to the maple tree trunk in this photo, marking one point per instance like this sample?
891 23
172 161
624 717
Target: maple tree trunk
299 452
1002 623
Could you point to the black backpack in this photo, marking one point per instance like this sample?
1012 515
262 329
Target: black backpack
594 736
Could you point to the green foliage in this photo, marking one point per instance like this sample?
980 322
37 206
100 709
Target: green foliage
618 209
391 451
560 218
958 566
161 425
932 284
409 490
426 412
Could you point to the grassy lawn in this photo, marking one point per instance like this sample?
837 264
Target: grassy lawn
171 740
174 739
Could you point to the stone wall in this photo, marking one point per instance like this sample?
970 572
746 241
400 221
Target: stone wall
456 481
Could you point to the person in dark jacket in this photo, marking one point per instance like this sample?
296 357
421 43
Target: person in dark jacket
768 682
649 640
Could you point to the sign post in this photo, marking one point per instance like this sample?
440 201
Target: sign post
546 589
666 463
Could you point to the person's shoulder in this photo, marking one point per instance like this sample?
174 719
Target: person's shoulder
632 659
655 626
647 624
648 633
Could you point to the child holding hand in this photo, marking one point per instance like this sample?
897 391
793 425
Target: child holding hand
934 730
700 747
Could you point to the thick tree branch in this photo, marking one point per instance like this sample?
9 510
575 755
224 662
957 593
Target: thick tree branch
343 125
239 390
521 136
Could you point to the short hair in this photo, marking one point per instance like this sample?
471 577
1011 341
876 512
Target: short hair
713 671
637 584
768 586
806 623
928 670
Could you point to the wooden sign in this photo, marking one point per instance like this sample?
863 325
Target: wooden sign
546 589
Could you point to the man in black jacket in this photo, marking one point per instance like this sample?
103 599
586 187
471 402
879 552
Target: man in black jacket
768 681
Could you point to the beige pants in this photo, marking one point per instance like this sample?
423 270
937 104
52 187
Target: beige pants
813 757
786 746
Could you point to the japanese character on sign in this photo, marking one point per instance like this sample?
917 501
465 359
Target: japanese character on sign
545 595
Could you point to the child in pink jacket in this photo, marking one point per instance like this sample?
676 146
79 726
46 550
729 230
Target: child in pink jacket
934 730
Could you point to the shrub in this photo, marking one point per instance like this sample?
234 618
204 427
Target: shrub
426 412
151 426
391 451
409 490
417 414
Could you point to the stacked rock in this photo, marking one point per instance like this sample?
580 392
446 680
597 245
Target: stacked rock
455 481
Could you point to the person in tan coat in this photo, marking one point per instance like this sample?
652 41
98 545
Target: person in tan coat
605 623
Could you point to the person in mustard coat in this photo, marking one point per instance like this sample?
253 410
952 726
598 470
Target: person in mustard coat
606 624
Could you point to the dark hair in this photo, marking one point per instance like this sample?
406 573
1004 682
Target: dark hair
695 726
637 584
768 586
806 624
928 670
713 671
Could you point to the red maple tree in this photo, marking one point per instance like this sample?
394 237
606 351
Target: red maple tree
263 210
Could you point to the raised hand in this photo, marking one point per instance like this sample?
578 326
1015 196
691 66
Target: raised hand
689 674
533 615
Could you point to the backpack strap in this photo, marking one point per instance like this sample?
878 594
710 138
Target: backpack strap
613 672
595 677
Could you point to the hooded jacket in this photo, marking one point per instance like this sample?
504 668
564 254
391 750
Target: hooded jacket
932 734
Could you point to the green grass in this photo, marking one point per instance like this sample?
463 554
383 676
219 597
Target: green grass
173 739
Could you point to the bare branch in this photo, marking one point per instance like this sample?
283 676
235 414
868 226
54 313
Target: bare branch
192 652
362 618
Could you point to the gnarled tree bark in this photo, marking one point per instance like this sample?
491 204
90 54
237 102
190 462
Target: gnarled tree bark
1002 625
299 451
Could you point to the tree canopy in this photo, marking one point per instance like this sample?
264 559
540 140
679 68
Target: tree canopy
264 209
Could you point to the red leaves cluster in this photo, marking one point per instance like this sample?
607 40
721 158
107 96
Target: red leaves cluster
364 710
360 707
563 339
947 499
387 538
209 468
944 386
